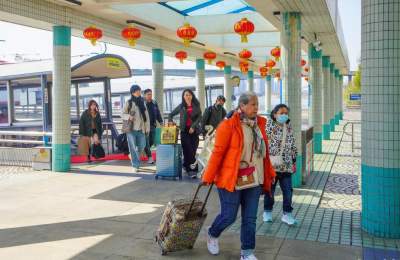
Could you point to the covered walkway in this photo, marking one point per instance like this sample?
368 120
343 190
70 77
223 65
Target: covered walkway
104 212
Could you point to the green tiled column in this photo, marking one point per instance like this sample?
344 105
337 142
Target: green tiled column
316 79
326 97
340 97
380 108
290 73
332 97
268 91
250 80
158 77
337 98
61 123
201 82
228 88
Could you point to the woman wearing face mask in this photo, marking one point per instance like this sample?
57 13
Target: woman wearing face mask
283 154
241 169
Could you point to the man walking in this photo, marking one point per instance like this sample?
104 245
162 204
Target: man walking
155 116
213 115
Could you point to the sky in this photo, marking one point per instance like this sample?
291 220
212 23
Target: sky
36 43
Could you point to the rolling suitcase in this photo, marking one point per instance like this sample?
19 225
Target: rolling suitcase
169 161
181 223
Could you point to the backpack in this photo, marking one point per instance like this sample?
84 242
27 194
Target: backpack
122 143
98 151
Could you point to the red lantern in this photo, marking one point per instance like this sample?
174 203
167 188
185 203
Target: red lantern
303 62
244 66
277 75
181 55
276 52
306 69
263 70
245 54
187 33
244 27
306 78
263 75
131 34
93 34
270 64
210 56
220 64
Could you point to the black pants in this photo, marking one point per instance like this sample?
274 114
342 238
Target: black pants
190 143
150 141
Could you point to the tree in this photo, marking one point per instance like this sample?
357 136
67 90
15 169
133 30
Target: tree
354 87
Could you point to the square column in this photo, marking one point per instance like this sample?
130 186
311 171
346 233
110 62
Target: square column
250 80
340 97
337 98
380 116
158 78
201 83
228 88
291 79
268 91
326 97
332 97
316 81
61 121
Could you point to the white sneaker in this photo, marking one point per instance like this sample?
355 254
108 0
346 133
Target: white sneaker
135 169
212 244
249 257
289 219
150 161
267 216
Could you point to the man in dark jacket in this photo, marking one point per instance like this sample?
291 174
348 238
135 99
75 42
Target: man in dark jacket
213 115
155 116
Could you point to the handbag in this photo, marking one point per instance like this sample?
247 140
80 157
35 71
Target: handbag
127 125
277 160
246 178
98 151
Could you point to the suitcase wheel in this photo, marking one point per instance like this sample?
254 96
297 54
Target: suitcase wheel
163 252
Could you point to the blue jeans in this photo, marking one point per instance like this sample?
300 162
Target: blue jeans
230 202
136 144
150 141
285 182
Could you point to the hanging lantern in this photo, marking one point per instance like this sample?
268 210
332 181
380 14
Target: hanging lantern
244 66
276 52
303 63
270 64
263 75
131 34
306 69
181 56
93 34
210 56
220 64
306 78
187 33
245 54
264 70
277 75
244 27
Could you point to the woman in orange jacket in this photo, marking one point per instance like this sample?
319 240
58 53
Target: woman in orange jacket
241 169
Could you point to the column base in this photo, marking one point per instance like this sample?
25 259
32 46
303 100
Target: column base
317 143
337 119
298 176
332 125
61 157
380 201
326 132
341 115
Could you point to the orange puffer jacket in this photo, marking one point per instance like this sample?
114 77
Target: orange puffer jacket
223 165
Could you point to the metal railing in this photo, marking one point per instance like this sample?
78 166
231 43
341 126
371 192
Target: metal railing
352 123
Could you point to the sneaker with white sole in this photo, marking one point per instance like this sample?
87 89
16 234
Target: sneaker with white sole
289 219
150 161
267 216
135 169
212 244
248 257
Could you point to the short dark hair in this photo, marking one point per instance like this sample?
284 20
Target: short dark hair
221 97
147 90
276 109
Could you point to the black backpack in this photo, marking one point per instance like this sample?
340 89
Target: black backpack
122 143
98 151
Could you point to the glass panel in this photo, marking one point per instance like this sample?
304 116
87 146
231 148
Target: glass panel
28 104
183 5
176 98
3 106
73 106
89 91
223 7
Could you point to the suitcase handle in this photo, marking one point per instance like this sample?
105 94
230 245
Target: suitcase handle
195 196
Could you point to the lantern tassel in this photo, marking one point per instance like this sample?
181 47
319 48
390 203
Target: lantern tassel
93 41
132 42
243 38
186 42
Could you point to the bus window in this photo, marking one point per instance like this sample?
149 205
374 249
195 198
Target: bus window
89 91
3 106
28 104
74 106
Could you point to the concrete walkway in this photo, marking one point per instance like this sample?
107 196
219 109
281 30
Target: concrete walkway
106 212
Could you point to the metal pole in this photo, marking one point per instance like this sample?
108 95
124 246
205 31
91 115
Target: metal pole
352 137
